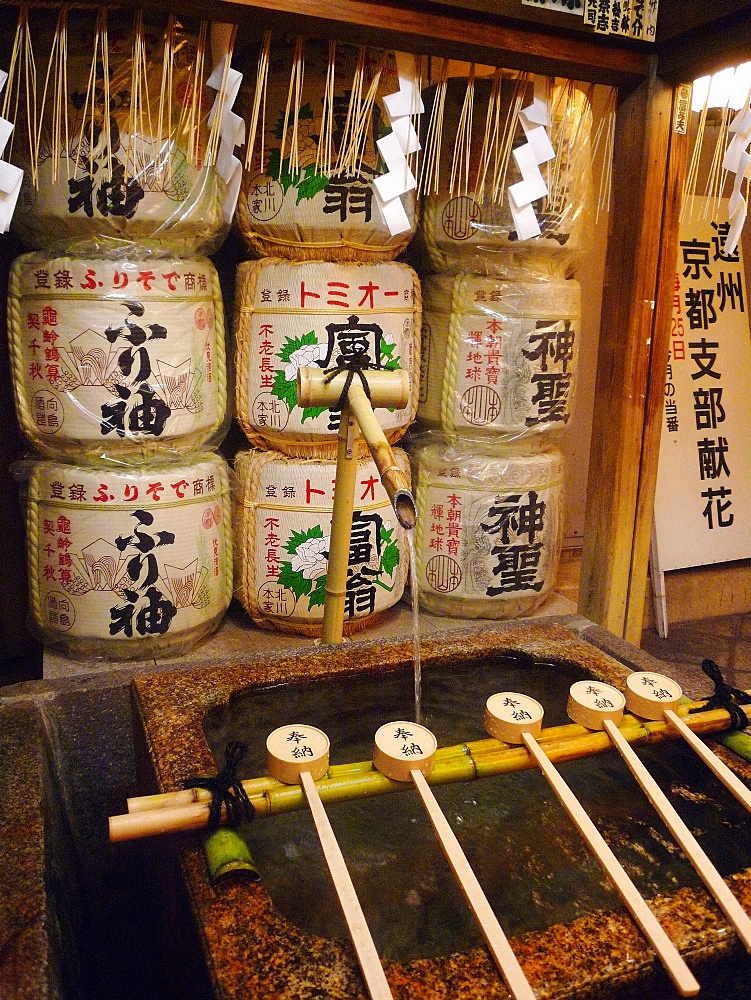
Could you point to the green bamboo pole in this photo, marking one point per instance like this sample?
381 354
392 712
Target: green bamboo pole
461 762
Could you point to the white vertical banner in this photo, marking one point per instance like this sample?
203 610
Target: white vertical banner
703 499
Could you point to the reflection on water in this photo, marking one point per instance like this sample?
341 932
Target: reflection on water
528 857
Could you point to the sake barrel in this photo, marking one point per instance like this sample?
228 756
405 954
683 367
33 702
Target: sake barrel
282 531
299 200
129 563
123 155
489 529
117 356
499 357
469 226
292 314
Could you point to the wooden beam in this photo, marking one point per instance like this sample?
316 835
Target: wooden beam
655 392
428 28
641 151
675 18
530 40
699 51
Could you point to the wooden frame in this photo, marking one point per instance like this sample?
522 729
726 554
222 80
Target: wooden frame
650 160
634 344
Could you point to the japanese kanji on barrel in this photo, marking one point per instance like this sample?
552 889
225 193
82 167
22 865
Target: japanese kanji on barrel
282 528
490 528
295 314
317 210
499 356
110 173
117 356
128 563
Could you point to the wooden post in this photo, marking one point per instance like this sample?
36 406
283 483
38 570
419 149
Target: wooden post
634 343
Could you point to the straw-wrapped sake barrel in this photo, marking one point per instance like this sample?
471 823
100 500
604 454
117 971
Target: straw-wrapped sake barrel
282 531
117 356
470 227
296 314
489 528
115 159
129 563
312 209
499 357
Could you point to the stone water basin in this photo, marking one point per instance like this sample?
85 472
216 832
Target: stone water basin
284 938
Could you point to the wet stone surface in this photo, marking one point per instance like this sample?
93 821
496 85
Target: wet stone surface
255 946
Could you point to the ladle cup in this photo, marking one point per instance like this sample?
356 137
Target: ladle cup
654 696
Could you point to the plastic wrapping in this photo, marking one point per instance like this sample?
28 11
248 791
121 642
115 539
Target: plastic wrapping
282 526
128 564
129 174
311 212
293 314
470 229
118 357
499 357
489 527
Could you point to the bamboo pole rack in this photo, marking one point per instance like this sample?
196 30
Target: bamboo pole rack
189 810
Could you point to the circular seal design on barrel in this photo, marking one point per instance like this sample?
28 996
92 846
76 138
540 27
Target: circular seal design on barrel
480 405
204 318
265 198
59 611
443 573
459 216
47 412
270 412
274 599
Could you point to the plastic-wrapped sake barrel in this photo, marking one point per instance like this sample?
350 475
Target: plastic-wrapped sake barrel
129 563
312 209
282 530
499 357
137 172
471 228
117 357
295 314
489 529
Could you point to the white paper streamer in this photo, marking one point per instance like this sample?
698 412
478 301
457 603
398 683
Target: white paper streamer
537 150
737 160
231 129
397 145
10 176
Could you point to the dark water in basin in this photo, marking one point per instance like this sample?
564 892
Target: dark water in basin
530 860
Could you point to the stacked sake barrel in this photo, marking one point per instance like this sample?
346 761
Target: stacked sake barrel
500 344
117 345
323 293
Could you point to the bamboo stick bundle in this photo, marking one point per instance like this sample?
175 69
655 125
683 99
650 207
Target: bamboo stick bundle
179 811
258 117
57 70
22 65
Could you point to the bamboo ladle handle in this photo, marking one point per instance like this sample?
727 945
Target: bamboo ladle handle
655 696
718 767
300 754
688 843
500 721
404 751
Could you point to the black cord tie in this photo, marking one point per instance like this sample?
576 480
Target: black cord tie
226 790
357 366
725 696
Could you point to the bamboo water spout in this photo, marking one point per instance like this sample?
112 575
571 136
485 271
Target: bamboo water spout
386 388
